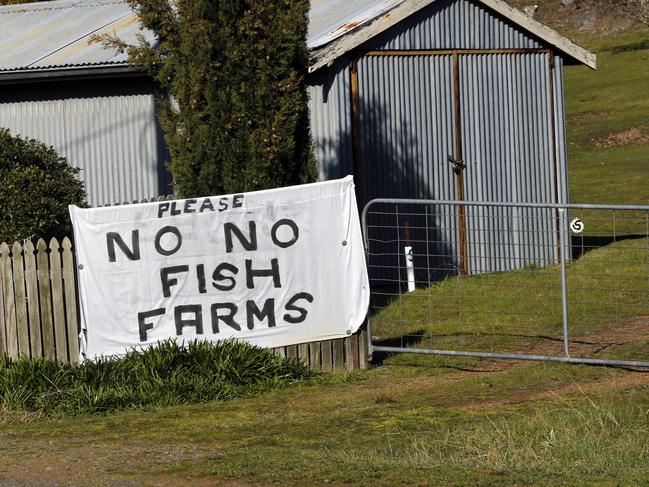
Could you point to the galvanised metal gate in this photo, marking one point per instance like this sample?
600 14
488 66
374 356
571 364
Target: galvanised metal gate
566 283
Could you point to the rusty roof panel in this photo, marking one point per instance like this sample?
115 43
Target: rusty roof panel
331 19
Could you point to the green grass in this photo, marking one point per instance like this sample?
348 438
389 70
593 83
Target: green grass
164 375
601 103
539 424
520 310
615 175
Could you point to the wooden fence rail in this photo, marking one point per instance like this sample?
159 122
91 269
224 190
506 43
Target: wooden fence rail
39 312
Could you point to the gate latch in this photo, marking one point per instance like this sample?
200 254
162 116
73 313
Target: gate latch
458 164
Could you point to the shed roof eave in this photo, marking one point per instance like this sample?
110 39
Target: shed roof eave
61 73
325 55
551 36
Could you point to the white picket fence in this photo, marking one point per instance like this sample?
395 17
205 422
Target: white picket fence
39 315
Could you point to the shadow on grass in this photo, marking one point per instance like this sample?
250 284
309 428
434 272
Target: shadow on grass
413 338
633 46
581 245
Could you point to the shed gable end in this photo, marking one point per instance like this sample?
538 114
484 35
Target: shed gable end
453 24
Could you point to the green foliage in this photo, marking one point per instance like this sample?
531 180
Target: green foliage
167 374
36 185
236 72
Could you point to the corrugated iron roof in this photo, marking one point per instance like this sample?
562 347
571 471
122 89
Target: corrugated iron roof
56 34
331 19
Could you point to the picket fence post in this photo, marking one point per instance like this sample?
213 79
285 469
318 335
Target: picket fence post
44 290
31 282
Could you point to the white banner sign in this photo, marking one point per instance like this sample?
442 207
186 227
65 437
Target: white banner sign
274 268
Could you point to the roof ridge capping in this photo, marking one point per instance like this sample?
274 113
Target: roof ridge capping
326 54
44 6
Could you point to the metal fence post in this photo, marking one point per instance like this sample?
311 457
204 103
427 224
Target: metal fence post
564 280
368 319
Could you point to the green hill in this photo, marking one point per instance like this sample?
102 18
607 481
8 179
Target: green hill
607 109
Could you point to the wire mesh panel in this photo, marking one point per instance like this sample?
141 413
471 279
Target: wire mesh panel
544 282
608 283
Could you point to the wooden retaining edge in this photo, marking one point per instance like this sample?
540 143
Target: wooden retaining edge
340 355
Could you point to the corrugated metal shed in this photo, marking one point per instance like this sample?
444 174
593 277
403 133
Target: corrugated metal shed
107 128
398 87
503 117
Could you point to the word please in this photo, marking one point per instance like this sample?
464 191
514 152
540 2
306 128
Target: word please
195 206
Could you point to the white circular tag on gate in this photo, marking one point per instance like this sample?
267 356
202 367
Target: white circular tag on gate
577 225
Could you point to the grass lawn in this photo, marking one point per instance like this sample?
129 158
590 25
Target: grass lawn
435 421
608 121
503 424
520 311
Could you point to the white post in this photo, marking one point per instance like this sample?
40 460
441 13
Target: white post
410 268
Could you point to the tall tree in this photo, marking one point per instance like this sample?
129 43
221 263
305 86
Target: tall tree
233 101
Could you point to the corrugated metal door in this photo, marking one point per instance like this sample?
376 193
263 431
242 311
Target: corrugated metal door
508 153
459 125
405 126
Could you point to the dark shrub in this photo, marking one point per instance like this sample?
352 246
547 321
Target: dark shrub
36 187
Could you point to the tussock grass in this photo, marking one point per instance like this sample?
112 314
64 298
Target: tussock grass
165 375
572 437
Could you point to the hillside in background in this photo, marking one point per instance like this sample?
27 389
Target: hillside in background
607 109
578 18
607 121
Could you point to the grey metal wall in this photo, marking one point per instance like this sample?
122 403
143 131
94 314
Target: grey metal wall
105 127
405 137
454 24
331 120
406 126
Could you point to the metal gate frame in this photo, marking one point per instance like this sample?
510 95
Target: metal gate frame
562 211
